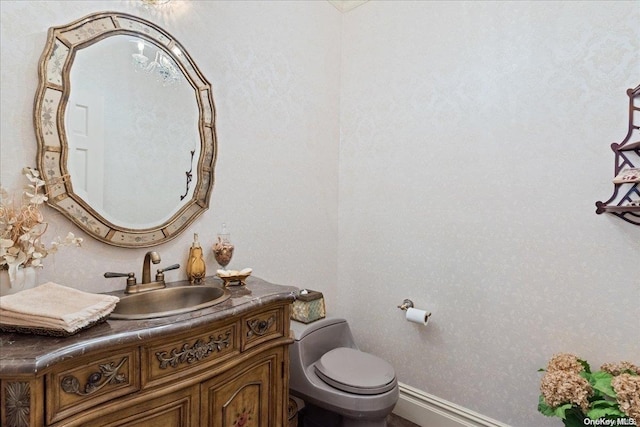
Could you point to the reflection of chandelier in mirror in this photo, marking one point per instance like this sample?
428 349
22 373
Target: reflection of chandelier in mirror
162 66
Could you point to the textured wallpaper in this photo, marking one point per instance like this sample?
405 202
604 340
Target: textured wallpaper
475 142
447 152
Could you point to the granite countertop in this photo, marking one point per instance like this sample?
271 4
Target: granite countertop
30 354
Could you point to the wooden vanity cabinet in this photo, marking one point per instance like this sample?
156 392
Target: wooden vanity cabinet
244 396
233 372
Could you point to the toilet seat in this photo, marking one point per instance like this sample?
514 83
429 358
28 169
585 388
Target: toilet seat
356 372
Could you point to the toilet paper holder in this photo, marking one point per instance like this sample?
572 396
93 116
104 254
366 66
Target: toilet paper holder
406 304
414 315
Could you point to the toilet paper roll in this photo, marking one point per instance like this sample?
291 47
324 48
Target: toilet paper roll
415 315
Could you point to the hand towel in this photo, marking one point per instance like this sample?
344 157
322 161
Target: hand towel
56 307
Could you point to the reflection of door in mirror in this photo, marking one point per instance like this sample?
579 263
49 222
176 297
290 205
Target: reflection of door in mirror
149 126
85 125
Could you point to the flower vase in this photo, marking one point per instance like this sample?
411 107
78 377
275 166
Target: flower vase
25 278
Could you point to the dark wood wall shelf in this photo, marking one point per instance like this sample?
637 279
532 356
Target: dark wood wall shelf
627 155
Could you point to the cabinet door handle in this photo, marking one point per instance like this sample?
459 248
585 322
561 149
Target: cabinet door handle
260 326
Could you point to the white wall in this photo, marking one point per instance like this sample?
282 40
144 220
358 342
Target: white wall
274 71
474 143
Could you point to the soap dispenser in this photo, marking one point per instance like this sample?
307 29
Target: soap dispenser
196 268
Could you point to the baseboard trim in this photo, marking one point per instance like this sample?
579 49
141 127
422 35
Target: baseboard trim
427 410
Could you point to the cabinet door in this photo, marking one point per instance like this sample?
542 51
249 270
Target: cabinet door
247 396
177 409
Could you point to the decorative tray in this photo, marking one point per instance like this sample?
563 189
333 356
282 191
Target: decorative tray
234 277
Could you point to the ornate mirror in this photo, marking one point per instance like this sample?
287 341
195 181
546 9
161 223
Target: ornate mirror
125 124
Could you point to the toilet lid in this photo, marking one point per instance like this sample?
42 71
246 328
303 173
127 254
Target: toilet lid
355 372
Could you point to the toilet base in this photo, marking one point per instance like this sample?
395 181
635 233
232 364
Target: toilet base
314 416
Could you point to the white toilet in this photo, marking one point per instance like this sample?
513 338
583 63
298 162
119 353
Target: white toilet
340 385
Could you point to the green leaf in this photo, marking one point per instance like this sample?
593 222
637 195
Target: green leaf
601 381
604 404
545 409
598 413
561 411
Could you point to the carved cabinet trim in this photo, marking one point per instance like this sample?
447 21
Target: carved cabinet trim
262 327
81 383
22 402
188 354
192 353
17 398
108 373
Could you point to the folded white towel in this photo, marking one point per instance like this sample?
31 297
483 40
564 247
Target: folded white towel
56 307
70 325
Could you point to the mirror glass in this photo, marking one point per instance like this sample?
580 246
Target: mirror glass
125 124
132 131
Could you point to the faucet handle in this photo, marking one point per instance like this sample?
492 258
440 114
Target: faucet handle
131 277
160 273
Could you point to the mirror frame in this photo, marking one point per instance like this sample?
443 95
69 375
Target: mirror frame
50 105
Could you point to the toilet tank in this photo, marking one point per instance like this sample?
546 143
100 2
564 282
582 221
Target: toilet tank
315 339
